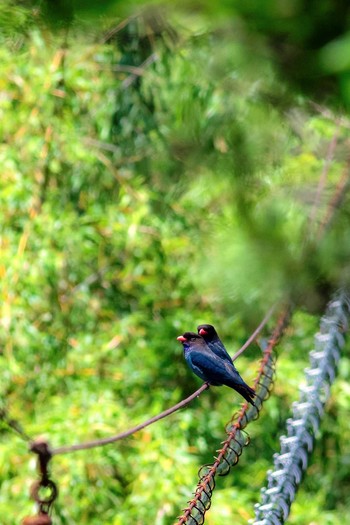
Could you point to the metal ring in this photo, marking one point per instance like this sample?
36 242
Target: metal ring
37 485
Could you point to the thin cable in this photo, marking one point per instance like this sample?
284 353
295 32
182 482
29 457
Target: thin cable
112 439
255 333
13 425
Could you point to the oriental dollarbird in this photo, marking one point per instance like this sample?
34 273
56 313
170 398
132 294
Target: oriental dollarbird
212 368
210 336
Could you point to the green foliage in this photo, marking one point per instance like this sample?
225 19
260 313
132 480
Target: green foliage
135 204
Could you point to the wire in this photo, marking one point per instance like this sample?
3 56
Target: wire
13 424
133 430
255 333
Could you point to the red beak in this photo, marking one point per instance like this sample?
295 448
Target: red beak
202 332
181 338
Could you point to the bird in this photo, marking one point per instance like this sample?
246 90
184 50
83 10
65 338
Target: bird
212 368
210 336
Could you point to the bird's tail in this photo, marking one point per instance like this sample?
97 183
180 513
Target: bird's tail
247 392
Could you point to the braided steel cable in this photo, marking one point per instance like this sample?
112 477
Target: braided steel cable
296 447
237 439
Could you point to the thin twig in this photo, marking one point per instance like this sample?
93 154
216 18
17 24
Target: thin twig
131 78
323 177
335 201
327 113
115 30
121 68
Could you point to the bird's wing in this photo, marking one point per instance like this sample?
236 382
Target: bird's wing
217 371
212 367
232 371
219 349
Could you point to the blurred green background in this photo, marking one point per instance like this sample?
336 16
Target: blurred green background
165 165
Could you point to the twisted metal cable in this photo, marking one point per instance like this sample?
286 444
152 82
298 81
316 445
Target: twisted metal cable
296 447
237 439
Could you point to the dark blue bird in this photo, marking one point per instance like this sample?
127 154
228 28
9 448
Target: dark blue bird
211 368
210 336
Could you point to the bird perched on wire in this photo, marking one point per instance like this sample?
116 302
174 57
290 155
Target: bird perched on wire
212 368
